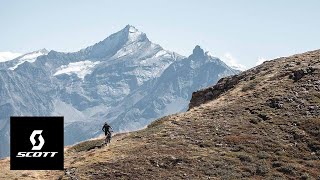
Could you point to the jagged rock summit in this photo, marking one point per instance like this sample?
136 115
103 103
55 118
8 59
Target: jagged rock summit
198 51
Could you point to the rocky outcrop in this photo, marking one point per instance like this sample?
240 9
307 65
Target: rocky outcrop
208 94
204 95
298 74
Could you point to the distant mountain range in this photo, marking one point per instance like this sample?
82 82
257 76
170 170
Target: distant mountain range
126 80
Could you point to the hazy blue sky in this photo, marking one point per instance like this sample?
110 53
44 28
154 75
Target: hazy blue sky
243 30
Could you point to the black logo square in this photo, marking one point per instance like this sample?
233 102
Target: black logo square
36 143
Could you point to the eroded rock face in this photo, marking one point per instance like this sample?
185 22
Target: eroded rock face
208 94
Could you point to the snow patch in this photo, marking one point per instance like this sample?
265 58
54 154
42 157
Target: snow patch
161 53
134 33
31 57
80 68
208 54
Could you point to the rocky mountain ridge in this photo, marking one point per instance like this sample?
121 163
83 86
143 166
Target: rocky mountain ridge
261 124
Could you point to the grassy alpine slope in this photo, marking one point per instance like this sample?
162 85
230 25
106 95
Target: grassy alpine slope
261 124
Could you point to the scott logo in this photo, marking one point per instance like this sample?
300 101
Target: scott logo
33 141
38 147
36 143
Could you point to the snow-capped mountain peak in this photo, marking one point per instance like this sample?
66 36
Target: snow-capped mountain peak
29 57
128 36
34 54
133 34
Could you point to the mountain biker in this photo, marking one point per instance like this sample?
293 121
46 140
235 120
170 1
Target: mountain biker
107 132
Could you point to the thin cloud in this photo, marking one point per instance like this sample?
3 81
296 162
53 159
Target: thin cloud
6 56
233 62
260 60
